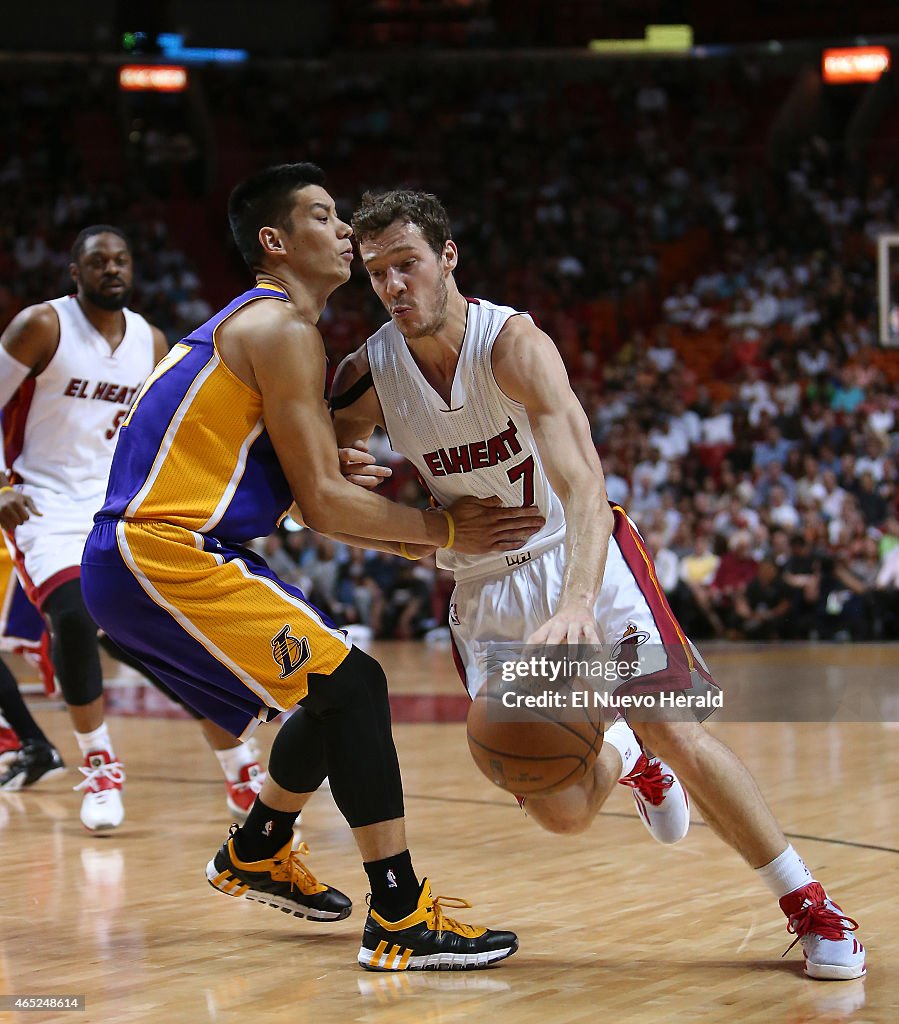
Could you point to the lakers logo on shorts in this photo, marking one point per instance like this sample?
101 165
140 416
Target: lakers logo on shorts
289 652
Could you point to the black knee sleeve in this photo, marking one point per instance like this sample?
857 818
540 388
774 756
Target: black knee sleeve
297 760
74 650
353 712
114 651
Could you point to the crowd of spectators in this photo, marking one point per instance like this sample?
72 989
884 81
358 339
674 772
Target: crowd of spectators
744 415
49 190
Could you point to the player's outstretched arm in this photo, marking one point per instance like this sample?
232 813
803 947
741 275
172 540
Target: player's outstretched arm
528 369
287 362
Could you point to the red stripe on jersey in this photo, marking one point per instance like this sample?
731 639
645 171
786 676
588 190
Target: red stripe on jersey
680 658
15 415
26 581
38 594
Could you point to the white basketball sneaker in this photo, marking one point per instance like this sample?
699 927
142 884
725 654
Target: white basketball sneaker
832 953
101 808
660 798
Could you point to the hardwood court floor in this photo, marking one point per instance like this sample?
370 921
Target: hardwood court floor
613 927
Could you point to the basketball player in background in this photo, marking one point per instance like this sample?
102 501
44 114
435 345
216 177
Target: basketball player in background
232 429
478 399
69 369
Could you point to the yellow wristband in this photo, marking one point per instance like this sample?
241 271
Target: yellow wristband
404 551
8 487
452 528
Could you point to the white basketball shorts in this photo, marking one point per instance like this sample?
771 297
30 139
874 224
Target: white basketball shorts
47 548
631 608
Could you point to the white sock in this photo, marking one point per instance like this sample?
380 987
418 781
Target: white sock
88 742
620 736
235 758
785 873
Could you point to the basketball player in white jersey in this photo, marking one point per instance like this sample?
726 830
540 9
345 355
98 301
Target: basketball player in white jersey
69 369
478 399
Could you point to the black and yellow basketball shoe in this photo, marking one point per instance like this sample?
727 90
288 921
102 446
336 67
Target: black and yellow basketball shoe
283 882
425 940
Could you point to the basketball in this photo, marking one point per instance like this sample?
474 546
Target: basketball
527 749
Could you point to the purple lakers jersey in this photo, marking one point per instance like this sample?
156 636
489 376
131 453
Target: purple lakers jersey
193 451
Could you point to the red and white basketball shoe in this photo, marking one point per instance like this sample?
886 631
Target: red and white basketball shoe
243 792
832 952
101 808
660 799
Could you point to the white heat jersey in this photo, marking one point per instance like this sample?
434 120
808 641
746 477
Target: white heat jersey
481 444
60 427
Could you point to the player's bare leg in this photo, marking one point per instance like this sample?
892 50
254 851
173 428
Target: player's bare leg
733 807
720 785
574 809
87 717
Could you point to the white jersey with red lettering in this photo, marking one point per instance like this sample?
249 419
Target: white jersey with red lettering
59 436
60 427
480 444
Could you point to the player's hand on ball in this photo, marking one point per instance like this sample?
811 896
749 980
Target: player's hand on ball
359 467
484 525
567 627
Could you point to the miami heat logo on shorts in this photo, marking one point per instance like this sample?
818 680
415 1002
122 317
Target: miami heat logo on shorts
633 637
289 652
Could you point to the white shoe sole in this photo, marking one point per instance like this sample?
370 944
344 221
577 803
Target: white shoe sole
832 972
390 961
104 818
103 826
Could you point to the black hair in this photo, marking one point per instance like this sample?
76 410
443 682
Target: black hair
266 198
89 232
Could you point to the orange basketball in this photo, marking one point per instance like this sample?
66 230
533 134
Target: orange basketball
530 749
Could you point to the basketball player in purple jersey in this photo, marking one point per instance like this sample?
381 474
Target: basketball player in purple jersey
69 369
477 397
231 429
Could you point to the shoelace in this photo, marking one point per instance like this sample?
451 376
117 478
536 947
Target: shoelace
818 919
293 870
254 785
651 783
112 771
443 923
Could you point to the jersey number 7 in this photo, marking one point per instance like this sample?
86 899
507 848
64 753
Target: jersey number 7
524 471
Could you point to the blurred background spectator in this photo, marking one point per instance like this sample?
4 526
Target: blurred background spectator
698 237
